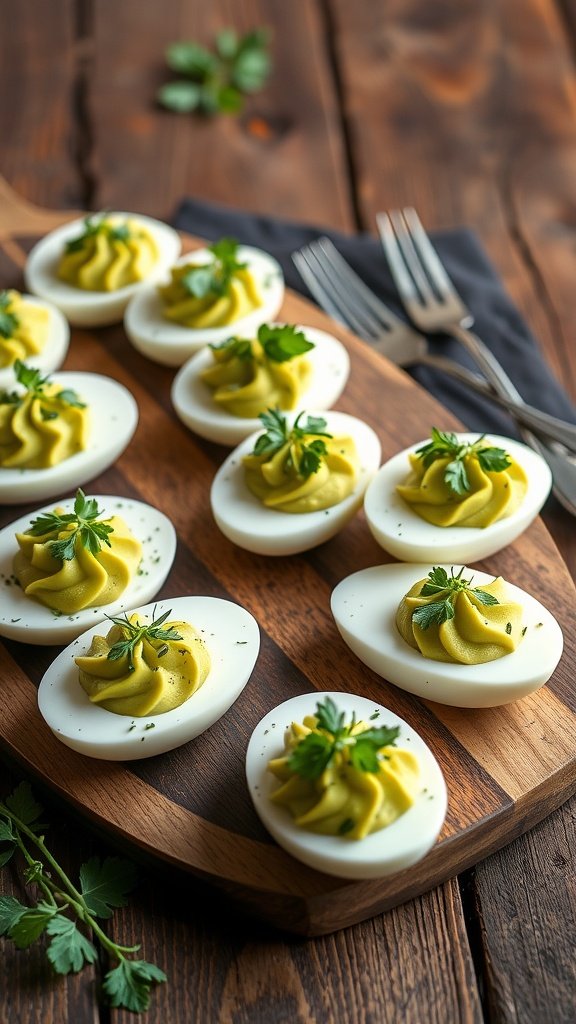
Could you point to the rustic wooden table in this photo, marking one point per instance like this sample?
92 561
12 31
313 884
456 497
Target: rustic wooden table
466 111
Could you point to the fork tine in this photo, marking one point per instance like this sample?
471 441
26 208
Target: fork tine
427 252
330 298
403 281
349 279
411 256
342 284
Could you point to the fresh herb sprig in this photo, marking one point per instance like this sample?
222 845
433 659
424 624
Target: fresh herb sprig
134 633
214 278
88 529
35 384
95 224
447 446
447 589
310 454
9 322
62 905
279 344
216 80
314 753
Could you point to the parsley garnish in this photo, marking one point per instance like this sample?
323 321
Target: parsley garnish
446 588
308 457
35 384
216 81
97 224
283 343
87 529
103 887
234 348
8 321
213 278
134 633
447 446
313 754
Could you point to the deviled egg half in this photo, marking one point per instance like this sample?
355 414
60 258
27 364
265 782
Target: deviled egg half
296 484
525 642
469 497
328 367
91 268
205 648
147 540
211 294
387 797
60 433
31 330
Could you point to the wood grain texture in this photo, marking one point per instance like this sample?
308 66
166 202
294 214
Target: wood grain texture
301 651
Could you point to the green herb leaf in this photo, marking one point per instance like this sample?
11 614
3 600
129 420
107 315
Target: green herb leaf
214 278
484 597
95 224
182 97
129 984
227 43
9 322
276 433
23 804
434 613
88 530
283 343
313 754
136 633
329 717
188 58
105 883
70 398
11 910
443 445
234 348
439 582
31 924
364 753
69 950
311 458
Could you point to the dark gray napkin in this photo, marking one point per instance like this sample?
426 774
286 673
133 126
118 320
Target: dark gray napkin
497 321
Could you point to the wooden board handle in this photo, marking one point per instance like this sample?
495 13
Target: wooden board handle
18 216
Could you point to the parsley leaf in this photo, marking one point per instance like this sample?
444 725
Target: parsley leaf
443 445
304 457
31 924
440 583
11 910
213 278
23 804
283 343
69 950
9 322
96 224
314 752
434 613
135 633
276 433
87 529
129 984
104 884
234 348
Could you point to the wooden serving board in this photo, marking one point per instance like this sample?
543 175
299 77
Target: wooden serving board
506 768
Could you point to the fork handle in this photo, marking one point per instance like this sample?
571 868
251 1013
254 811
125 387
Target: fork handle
535 419
557 429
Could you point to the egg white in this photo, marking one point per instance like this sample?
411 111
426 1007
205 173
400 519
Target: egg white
364 607
53 354
248 523
232 637
172 344
382 853
401 532
113 420
22 618
81 307
192 398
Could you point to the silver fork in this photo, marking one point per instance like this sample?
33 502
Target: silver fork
341 293
433 304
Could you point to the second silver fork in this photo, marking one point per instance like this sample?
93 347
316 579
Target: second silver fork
341 293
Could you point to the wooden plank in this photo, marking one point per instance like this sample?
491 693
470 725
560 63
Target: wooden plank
39 90
283 156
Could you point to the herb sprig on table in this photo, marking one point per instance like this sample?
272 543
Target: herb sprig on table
279 344
133 633
60 905
9 322
88 529
314 753
218 79
446 588
447 446
277 435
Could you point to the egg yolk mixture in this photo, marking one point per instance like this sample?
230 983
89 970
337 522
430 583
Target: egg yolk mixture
42 427
345 800
460 623
453 484
24 328
212 294
138 670
109 254
80 578
250 376
302 470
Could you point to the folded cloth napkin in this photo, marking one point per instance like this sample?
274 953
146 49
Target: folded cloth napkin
497 321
